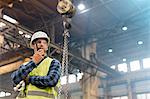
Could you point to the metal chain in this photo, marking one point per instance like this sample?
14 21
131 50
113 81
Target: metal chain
65 64
67 10
66 35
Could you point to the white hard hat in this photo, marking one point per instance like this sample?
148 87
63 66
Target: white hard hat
37 35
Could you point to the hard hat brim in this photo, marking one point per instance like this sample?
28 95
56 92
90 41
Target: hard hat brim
47 39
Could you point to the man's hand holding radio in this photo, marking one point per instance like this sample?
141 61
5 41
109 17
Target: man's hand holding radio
38 56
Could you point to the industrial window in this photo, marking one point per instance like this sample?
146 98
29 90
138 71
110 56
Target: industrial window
148 96
4 94
116 98
122 97
146 63
113 67
79 76
143 96
72 78
63 80
135 65
122 67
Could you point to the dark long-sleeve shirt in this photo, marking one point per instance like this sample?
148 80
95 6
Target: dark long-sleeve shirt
50 79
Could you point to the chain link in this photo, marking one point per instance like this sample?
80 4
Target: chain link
64 72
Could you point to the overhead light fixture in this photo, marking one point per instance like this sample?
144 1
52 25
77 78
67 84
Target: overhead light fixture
110 50
2 24
124 59
81 6
27 36
10 5
20 32
124 28
10 19
140 42
18 45
20 0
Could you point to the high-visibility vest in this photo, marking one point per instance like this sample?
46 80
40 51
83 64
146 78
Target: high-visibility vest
34 92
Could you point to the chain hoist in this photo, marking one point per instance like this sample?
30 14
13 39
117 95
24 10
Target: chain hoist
66 7
67 10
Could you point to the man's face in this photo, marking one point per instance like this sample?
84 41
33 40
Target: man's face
40 44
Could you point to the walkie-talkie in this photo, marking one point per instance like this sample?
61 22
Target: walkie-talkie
37 46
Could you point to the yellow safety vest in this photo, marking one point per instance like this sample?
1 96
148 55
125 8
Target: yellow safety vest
33 92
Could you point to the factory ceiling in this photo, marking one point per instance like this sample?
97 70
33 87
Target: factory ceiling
102 20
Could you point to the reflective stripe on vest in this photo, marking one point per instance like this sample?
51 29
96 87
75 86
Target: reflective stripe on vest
39 93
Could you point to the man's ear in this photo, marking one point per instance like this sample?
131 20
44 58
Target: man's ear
32 46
